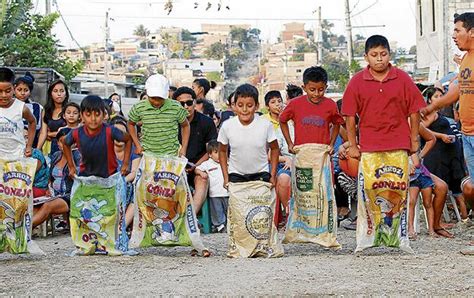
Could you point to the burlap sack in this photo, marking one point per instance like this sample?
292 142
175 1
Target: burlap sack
382 200
164 213
252 232
16 206
313 214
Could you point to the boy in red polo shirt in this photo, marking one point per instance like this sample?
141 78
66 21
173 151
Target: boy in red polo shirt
383 97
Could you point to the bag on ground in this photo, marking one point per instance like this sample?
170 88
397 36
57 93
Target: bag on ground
164 213
16 206
252 232
313 213
382 200
97 215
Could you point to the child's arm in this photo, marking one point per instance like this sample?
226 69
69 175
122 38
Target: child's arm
429 138
223 162
31 130
274 153
286 133
43 134
200 173
353 150
68 155
133 134
450 97
334 134
126 157
185 132
414 131
133 170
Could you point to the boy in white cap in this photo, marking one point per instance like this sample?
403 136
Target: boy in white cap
161 118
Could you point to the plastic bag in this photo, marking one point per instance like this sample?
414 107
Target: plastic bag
252 232
16 206
164 213
97 215
313 212
382 200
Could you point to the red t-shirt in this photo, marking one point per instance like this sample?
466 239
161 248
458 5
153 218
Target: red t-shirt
383 109
311 120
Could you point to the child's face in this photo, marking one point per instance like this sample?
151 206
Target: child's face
314 90
22 91
71 115
156 101
119 145
245 109
378 59
6 94
92 119
58 94
215 155
274 105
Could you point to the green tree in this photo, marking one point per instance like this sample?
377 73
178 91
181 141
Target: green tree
214 76
33 45
215 51
187 36
141 31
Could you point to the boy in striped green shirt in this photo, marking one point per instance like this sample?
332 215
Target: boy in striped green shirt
161 118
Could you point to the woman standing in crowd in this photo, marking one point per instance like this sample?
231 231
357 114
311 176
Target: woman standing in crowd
58 97
201 87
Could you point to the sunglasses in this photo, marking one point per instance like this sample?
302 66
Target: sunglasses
188 103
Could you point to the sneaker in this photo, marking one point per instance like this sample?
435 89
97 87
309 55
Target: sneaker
349 224
348 184
221 228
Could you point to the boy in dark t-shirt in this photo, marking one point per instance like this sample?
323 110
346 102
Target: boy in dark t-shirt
95 142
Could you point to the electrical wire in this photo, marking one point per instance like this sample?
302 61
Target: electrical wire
365 9
67 27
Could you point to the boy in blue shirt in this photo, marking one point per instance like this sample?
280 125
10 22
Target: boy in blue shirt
95 142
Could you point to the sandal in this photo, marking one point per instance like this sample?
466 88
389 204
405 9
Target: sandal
444 233
412 236
205 253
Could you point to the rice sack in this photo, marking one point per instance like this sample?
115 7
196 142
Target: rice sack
382 200
164 213
313 212
252 232
16 205
97 215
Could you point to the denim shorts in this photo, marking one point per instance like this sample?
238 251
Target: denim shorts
422 182
280 169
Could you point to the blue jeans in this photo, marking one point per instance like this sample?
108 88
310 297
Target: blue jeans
468 148
219 207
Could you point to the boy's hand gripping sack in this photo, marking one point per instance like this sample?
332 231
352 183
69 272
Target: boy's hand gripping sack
164 213
97 215
16 206
382 200
252 232
313 214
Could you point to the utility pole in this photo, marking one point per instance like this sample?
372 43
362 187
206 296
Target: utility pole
47 10
106 56
318 38
348 35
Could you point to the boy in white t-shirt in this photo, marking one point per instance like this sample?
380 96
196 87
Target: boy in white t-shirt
249 136
218 195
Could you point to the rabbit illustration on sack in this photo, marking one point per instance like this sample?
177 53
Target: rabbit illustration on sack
90 215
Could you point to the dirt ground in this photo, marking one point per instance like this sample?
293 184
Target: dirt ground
436 268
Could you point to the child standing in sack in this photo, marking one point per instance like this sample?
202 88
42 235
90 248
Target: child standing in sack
317 121
246 175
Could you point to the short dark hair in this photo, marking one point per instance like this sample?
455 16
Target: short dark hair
212 145
119 120
92 103
272 94
293 91
184 90
246 90
315 74
466 18
376 41
27 79
230 97
6 75
430 91
70 104
173 88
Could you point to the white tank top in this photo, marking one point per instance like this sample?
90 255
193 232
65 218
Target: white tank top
12 141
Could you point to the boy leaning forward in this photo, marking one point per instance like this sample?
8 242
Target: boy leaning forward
383 97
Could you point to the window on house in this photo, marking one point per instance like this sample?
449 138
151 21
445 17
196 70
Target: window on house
420 17
186 66
298 70
433 12
202 64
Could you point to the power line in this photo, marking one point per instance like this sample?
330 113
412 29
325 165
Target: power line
67 27
203 18
363 10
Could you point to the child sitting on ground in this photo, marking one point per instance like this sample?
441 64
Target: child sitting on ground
218 195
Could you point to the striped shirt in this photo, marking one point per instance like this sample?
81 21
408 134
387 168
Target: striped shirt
159 126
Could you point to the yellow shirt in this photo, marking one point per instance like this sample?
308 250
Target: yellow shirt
275 123
466 94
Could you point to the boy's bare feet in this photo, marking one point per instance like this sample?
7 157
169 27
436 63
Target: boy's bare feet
433 234
442 232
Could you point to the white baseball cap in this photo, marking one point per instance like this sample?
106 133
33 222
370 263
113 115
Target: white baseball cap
157 86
